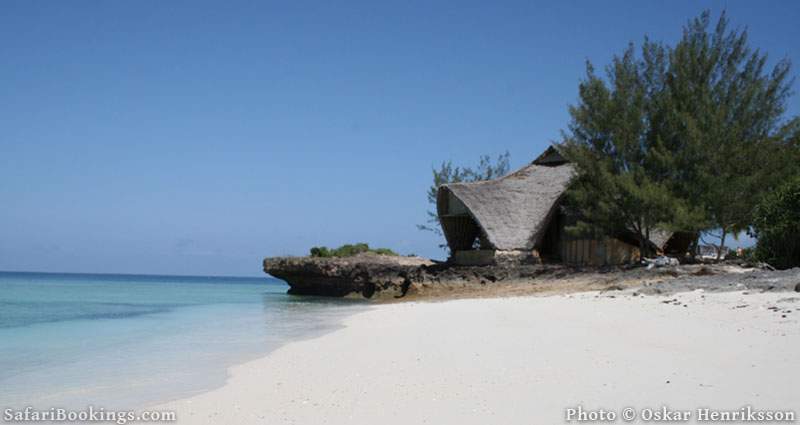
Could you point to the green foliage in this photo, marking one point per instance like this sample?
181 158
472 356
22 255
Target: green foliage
777 226
320 251
614 142
384 251
723 113
447 173
348 250
685 138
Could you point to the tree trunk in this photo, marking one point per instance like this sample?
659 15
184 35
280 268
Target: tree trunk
643 238
721 244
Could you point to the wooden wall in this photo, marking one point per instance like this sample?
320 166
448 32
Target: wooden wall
593 252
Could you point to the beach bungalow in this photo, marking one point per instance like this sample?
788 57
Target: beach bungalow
519 217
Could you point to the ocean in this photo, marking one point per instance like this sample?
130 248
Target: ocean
130 341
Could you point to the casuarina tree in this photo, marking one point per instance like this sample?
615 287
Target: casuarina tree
624 182
725 119
686 137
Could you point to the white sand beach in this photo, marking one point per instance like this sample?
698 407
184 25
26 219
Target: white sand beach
522 361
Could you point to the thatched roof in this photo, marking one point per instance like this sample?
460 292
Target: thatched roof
551 156
660 237
512 212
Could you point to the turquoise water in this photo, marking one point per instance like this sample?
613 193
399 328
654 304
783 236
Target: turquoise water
128 341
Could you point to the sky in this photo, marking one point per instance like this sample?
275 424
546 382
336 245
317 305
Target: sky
193 137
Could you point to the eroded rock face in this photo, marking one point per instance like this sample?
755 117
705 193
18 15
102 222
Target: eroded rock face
365 274
386 277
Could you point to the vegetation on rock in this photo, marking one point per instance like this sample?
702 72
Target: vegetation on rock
348 250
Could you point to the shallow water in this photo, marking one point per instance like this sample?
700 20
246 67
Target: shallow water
127 341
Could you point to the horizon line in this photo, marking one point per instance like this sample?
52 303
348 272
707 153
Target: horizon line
137 274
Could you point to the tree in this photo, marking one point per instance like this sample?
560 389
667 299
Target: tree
724 114
623 182
447 173
777 226
684 138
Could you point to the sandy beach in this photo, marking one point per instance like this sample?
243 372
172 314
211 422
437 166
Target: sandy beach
522 360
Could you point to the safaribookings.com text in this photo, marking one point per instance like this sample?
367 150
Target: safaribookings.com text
90 414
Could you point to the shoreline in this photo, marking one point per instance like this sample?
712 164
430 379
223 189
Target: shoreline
338 314
71 341
521 359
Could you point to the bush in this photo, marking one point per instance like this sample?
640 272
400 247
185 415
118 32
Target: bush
320 251
776 224
348 250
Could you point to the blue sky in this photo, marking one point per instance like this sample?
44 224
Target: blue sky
198 137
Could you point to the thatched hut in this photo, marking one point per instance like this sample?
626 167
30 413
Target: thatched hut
519 217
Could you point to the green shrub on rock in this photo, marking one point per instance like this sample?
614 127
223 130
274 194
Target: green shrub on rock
348 250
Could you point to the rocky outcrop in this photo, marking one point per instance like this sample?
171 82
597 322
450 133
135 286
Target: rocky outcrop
365 274
380 276
388 277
